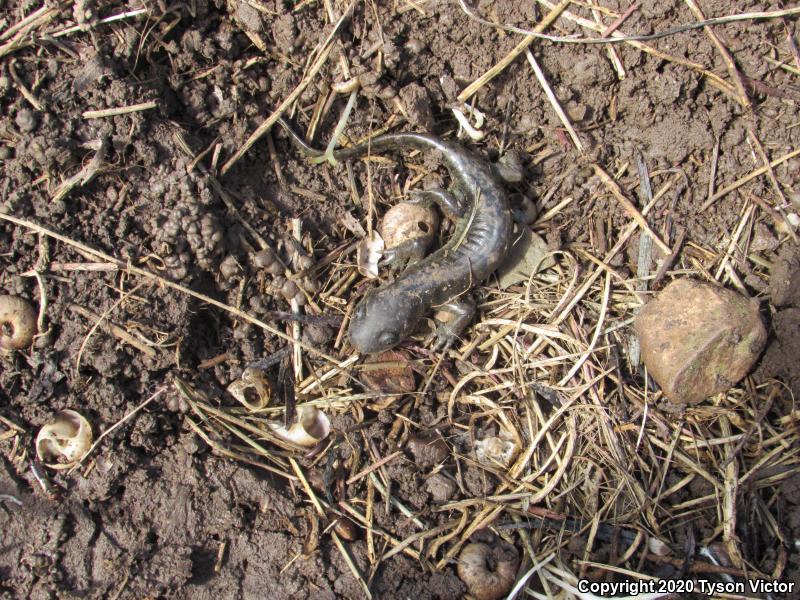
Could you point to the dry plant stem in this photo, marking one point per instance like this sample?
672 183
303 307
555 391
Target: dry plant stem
31 20
220 450
775 185
751 16
747 213
747 178
548 20
114 330
119 423
562 116
222 193
121 110
373 530
715 79
376 465
629 207
98 323
612 53
698 566
730 492
294 327
619 20
321 512
11 425
22 40
87 173
175 286
623 239
418 536
26 93
712 179
733 72
324 53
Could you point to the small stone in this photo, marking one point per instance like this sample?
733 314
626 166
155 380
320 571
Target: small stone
510 168
229 267
440 487
289 289
698 340
264 258
763 239
576 112
429 449
26 120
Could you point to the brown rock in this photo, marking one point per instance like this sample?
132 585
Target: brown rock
698 339
428 448
440 487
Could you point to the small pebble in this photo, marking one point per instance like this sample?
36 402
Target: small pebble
26 120
229 267
698 339
289 289
440 488
428 448
263 259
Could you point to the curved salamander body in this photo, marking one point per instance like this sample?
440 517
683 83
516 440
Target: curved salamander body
390 313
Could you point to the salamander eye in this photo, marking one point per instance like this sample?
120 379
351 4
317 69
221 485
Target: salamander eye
387 338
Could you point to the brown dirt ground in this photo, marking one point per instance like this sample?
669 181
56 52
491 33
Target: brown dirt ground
148 516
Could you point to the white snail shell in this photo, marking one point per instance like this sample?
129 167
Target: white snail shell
65 441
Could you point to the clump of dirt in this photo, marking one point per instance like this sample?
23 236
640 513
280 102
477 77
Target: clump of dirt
780 358
156 511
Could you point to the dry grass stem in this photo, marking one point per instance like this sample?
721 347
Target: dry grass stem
551 97
120 110
322 58
476 85
113 329
629 207
749 177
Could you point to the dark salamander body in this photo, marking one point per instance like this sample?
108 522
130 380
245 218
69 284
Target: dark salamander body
390 313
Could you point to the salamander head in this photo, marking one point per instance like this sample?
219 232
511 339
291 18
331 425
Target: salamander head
382 321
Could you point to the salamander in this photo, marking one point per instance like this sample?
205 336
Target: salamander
478 202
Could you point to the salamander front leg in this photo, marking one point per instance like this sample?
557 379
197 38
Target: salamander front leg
462 309
405 254
452 207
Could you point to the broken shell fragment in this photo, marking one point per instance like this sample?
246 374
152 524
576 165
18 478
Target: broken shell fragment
17 323
253 389
409 222
500 449
65 441
312 426
488 569
368 252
